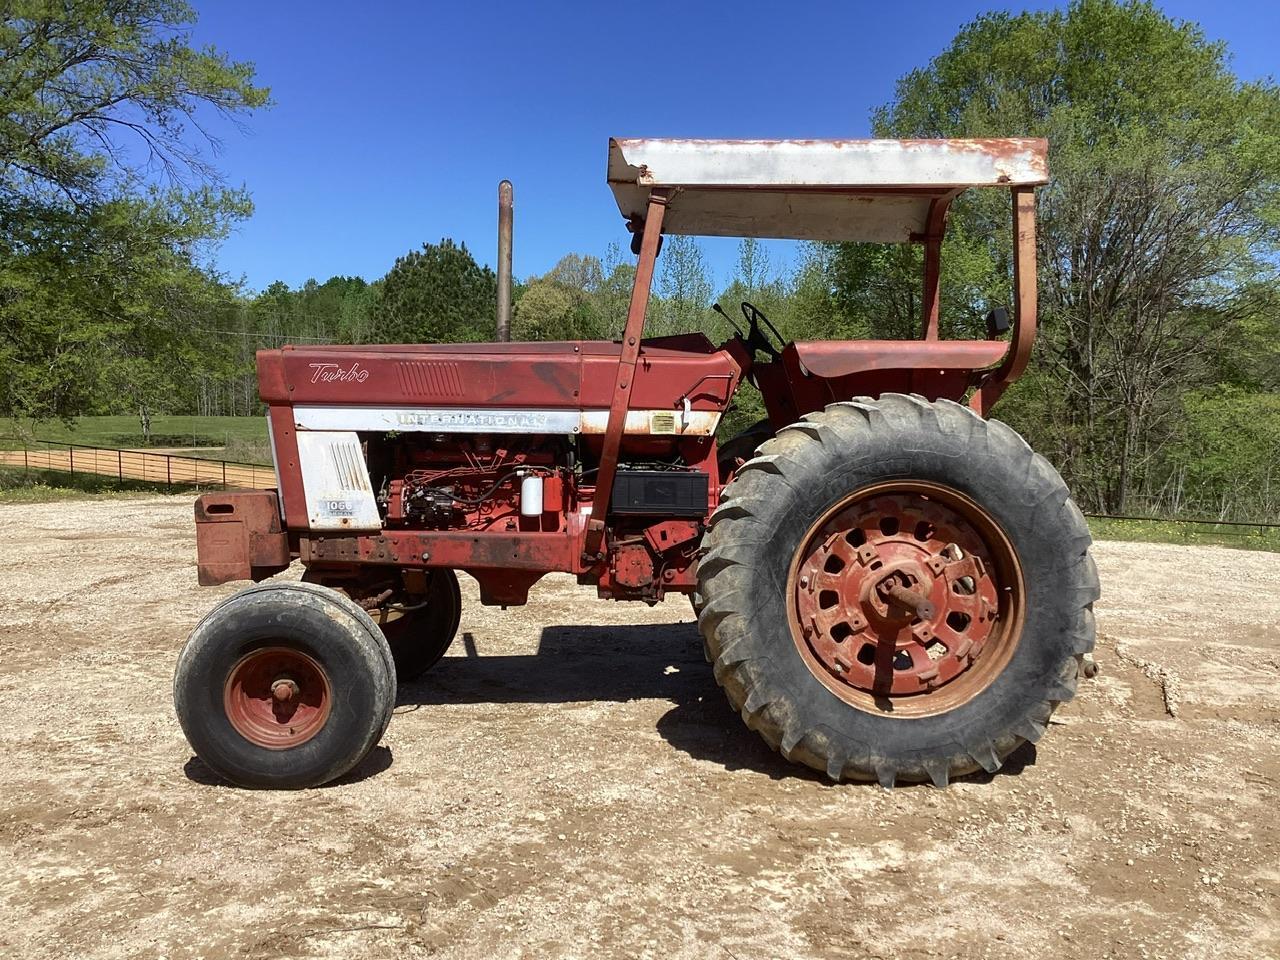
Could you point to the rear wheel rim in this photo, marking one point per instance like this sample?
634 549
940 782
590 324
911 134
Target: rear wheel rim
277 697
906 599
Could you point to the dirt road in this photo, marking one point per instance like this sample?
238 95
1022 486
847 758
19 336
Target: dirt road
570 783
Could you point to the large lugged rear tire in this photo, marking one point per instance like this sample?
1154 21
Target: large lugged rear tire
897 590
284 685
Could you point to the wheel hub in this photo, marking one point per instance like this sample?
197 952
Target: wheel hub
277 697
897 593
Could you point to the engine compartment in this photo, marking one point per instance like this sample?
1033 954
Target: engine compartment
521 484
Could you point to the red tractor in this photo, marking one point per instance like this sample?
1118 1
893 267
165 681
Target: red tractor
890 586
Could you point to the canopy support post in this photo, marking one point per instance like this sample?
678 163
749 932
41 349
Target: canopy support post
625 379
1024 304
935 229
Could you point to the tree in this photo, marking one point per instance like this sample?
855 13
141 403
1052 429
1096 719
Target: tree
1162 210
879 287
683 286
582 273
107 201
815 310
545 311
752 281
614 294
97 93
565 304
1227 458
438 294
753 264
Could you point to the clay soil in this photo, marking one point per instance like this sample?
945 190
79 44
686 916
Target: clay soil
569 782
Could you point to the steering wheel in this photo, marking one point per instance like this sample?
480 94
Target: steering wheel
756 338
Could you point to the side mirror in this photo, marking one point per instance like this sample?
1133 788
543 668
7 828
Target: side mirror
997 322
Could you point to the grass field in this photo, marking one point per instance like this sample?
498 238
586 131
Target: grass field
43 486
125 431
242 439
1196 534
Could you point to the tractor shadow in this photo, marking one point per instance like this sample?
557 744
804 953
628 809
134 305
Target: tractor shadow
615 663
377 760
619 663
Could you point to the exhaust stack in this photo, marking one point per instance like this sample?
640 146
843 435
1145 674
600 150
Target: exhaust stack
506 205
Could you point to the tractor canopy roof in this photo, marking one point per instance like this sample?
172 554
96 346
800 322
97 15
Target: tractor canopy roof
869 190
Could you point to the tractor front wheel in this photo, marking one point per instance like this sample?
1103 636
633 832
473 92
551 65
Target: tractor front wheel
897 590
284 685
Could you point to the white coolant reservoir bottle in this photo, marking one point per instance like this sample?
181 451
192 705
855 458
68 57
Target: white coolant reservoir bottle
531 496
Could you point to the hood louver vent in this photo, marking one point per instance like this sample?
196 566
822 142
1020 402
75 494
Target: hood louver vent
436 379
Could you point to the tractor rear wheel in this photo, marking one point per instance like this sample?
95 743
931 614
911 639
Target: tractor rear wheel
284 685
897 590
422 629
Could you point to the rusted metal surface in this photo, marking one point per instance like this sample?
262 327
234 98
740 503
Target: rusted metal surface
573 375
935 228
239 536
812 374
284 454
545 552
843 358
624 381
506 212
1024 312
869 190
907 599
277 697
986 162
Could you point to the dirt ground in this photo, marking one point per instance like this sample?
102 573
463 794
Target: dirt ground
569 782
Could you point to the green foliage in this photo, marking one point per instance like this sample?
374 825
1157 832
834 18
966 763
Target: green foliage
547 311
683 287
816 312
166 431
438 294
100 260
1160 220
1227 459
566 304
1191 534
98 91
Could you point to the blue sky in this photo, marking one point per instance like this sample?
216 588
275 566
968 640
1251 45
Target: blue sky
394 122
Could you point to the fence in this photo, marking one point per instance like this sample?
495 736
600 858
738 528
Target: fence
160 468
1245 533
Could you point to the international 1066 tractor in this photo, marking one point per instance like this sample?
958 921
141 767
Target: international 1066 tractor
889 586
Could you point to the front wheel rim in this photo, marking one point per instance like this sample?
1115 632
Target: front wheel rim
906 599
277 697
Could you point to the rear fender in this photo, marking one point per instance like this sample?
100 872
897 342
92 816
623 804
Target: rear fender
810 375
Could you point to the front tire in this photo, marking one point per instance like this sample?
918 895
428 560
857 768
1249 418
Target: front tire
897 590
284 686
